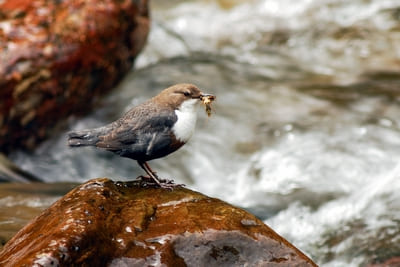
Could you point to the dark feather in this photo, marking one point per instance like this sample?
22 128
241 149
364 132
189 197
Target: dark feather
83 138
139 135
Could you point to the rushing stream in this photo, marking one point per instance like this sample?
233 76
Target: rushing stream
306 127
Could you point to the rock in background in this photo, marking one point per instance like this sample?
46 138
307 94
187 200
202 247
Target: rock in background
102 223
56 57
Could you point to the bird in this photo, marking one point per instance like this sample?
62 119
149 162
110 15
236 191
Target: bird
151 130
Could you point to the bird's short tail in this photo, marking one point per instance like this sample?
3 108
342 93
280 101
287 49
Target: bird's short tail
83 138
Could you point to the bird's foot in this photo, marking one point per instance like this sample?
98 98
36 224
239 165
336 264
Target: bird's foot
169 184
147 181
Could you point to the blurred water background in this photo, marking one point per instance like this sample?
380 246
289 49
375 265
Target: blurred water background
306 127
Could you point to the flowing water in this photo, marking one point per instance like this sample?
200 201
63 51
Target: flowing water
306 127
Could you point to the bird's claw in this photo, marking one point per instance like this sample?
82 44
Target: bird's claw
147 181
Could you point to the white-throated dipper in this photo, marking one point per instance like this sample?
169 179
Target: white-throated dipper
151 130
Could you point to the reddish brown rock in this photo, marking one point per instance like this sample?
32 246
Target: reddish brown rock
102 223
57 56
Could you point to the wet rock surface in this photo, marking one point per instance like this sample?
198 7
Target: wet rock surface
21 202
58 56
121 224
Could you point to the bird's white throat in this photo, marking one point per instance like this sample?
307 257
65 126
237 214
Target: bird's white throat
187 116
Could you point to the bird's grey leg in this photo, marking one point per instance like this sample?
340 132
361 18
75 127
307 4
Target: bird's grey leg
168 184
150 172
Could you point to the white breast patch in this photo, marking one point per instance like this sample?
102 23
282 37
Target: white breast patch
187 116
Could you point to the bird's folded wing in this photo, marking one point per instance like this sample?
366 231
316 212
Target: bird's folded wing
141 131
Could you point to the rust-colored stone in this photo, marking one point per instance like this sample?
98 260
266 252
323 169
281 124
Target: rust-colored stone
102 223
57 56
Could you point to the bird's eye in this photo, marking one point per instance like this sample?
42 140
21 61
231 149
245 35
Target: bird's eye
186 93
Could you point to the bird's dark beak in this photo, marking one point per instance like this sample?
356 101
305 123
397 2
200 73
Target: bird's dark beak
211 97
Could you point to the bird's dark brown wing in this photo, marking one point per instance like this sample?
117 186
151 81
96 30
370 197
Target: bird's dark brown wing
138 132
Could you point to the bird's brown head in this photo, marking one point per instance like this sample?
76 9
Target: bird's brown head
177 94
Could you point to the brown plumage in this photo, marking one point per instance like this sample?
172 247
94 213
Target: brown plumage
151 130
